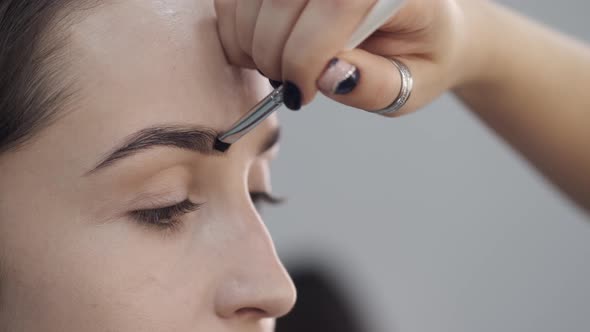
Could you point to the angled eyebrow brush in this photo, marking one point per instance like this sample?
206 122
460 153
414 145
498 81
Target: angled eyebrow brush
257 114
381 12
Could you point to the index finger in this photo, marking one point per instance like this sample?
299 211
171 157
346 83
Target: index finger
322 31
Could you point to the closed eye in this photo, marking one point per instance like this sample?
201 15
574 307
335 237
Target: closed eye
169 217
166 217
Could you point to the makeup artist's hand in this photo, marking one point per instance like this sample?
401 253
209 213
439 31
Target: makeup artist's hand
299 42
525 81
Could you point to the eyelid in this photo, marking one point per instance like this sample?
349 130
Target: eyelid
165 216
156 200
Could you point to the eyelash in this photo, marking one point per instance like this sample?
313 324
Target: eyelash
258 198
168 218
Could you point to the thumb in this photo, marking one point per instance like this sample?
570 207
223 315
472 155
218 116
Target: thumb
367 81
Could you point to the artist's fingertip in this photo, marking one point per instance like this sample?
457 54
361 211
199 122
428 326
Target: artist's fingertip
339 78
292 96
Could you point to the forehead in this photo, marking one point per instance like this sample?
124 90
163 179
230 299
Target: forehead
158 61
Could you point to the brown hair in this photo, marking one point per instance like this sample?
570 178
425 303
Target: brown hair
32 86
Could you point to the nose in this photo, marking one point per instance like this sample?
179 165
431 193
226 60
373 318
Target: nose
256 284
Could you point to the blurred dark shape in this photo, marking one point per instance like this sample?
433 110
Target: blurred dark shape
322 305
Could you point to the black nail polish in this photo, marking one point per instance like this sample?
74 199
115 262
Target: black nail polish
349 84
292 96
275 84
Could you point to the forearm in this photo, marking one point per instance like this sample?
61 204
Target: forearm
534 91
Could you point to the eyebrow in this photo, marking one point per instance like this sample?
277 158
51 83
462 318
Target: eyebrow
195 139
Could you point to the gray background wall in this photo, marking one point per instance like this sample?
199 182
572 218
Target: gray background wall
431 220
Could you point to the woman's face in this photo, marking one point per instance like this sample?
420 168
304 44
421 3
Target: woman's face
118 216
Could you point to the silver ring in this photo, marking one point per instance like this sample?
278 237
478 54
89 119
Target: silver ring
407 85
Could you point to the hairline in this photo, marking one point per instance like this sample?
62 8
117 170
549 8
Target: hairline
46 70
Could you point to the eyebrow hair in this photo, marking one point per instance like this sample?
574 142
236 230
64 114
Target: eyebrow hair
196 139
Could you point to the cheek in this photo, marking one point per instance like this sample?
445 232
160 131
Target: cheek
68 271
65 270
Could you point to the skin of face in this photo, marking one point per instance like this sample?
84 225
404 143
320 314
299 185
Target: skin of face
71 256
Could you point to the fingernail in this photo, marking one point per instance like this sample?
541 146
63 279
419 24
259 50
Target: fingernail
340 78
292 96
275 84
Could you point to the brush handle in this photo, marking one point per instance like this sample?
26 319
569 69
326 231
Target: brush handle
254 117
381 12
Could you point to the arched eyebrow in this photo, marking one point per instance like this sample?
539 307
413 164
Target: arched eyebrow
195 139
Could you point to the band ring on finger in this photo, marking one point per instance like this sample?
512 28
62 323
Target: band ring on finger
407 86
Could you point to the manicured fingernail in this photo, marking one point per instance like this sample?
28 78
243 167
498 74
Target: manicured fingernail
275 84
340 78
292 96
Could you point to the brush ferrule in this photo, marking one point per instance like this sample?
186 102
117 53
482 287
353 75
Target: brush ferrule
253 118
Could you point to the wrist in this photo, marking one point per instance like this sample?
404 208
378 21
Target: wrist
480 56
